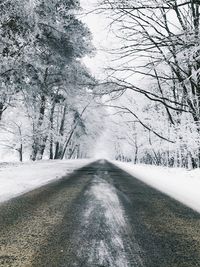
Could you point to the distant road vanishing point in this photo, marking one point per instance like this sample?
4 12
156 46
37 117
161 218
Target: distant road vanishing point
100 216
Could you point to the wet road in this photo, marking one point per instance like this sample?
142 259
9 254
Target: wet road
98 217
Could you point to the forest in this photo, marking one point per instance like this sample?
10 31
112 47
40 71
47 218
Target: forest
155 76
46 99
145 108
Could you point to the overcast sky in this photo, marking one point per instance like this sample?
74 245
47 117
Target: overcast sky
102 37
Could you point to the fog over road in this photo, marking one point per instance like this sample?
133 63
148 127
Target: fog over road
99 216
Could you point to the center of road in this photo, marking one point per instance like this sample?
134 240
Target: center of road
103 213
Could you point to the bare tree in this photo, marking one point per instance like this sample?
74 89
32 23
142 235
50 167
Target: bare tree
159 44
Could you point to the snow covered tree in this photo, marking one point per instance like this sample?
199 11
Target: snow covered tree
158 57
42 44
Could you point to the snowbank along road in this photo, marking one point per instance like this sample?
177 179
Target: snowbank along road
99 216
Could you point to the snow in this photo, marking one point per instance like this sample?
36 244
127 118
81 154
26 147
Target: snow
104 194
18 178
181 184
112 245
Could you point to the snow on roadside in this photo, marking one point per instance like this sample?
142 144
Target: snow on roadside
18 178
181 184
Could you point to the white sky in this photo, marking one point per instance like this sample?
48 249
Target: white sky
102 37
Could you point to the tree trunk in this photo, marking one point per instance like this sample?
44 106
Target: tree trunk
58 147
136 155
41 148
1 110
67 142
20 153
37 131
51 147
73 151
34 150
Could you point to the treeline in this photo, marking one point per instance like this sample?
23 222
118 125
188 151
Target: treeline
159 59
46 107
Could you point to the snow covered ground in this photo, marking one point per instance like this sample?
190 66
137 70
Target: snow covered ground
18 178
181 184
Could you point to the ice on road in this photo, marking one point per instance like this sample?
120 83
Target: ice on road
104 194
109 244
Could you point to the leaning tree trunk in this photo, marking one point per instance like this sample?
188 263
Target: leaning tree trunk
67 141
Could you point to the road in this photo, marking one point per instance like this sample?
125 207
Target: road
100 216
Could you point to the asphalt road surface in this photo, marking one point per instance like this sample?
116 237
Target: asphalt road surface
98 217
